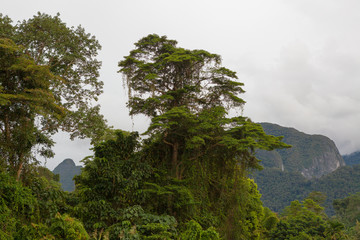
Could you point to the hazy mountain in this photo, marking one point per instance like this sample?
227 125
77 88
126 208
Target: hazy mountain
352 159
311 155
67 170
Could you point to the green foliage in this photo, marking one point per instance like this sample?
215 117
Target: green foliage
50 198
352 159
111 188
27 95
187 93
46 85
194 231
336 185
192 139
348 209
66 227
335 230
268 222
306 220
354 232
17 199
61 227
247 210
277 196
45 172
299 221
33 212
170 76
7 221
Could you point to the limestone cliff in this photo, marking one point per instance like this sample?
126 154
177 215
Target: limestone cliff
311 155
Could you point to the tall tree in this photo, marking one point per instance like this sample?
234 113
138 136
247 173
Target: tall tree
188 96
69 54
25 96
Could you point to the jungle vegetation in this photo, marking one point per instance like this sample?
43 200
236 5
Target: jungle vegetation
187 179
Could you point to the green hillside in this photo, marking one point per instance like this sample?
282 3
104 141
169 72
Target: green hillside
352 159
279 188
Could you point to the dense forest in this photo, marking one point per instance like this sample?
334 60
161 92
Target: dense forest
352 159
336 185
185 178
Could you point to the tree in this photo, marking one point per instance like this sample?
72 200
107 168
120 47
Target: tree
26 96
112 193
34 213
306 220
188 96
68 54
66 227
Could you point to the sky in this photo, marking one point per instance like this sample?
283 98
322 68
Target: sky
299 59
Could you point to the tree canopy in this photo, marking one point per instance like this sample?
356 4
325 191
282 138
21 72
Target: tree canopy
192 137
187 94
48 82
26 96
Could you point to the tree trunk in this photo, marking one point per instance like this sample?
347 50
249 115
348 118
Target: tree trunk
19 170
7 128
8 159
174 163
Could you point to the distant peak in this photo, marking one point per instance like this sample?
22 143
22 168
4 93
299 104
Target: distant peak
68 161
67 170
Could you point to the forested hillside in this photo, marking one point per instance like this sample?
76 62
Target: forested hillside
352 159
187 179
279 188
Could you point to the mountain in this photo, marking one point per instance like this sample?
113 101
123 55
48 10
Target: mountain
67 170
312 164
352 159
311 155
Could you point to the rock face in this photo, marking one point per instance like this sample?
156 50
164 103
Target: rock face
311 155
67 170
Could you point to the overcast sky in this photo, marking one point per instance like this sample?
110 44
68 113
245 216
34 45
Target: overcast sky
299 59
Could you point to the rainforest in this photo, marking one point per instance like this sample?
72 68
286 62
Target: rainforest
186 177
